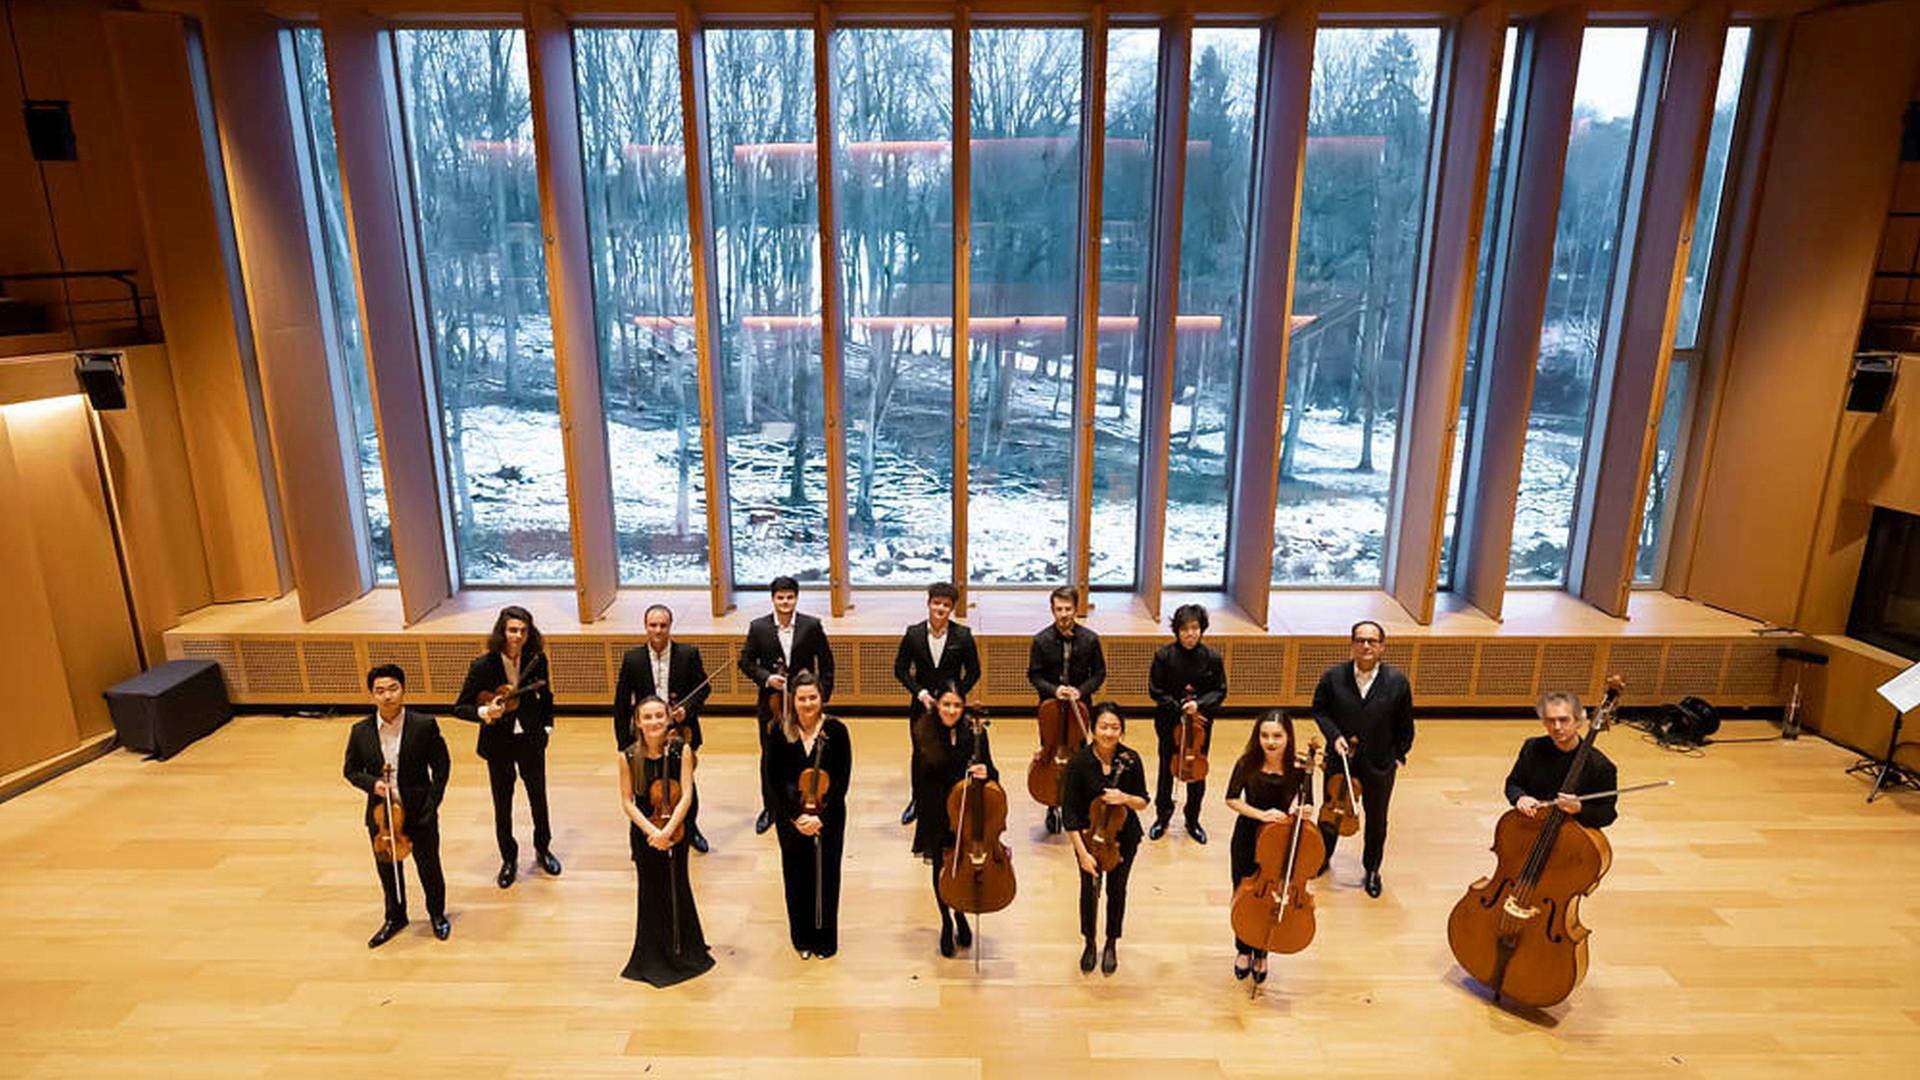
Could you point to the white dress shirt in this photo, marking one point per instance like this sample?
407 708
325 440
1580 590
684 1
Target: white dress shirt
1364 679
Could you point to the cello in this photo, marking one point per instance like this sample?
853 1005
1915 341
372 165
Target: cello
1189 743
1273 908
977 876
1517 931
1064 728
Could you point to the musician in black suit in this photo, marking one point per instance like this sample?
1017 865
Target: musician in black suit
516 655
1364 707
935 654
1187 677
778 643
1065 662
673 672
410 742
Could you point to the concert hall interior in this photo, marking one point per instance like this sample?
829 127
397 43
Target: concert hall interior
1483 405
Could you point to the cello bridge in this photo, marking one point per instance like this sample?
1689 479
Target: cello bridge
1512 906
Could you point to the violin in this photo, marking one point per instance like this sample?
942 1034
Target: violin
1343 808
1517 931
1065 726
390 841
1273 908
778 704
1190 744
663 795
977 877
1105 819
508 697
814 785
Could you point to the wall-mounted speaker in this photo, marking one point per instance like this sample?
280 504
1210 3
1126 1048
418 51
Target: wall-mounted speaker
50 130
101 380
1872 381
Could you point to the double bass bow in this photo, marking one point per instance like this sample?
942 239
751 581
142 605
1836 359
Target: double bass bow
976 877
1190 742
1273 908
1517 931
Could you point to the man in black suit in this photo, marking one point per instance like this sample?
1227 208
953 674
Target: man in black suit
1364 706
672 671
778 643
516 656
409 742
1065 662
934 654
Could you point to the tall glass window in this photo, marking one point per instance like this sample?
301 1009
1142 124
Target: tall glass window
1362 196
1656 520
1493 228
335 267
893 176
632 144
766 248
1214 226
1022 336
1126 265
1586 238
468 112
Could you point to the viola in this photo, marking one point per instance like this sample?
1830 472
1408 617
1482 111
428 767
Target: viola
390 841
1065 726
1105 819
508 697
1190 744
1273 907
976 876
1343 808
1517 931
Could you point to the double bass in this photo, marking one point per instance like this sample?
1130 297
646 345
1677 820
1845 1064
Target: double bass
1190 744
1273 908
1517 931
1065 727
976 876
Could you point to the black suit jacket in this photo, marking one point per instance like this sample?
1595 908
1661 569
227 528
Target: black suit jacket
1086 670
422 772
529 723
1173 670
1382 721
913 665
685 670
758 659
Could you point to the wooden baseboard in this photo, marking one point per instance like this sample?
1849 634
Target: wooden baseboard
39 773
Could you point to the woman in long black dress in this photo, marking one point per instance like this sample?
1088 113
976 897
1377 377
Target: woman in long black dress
667 944
811 844
1265 783
1108 770
944 750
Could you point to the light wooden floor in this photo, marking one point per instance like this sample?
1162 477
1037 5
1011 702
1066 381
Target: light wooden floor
209 915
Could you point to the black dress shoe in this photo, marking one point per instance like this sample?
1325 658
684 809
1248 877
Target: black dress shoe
1238 971
441 927
507 873
698 839
1260 974
1109 958
1194 830
550 864
946 940
1089 957
911 812
763 822
385 933
962 933
1158 830
1373 884
1053 823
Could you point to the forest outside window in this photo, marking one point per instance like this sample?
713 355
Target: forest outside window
468 115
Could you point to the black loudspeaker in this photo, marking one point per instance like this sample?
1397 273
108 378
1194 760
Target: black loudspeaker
1689 722
50 131
100 379
1872 381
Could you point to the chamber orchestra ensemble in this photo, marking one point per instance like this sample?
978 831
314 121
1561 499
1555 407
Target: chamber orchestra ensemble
1301 782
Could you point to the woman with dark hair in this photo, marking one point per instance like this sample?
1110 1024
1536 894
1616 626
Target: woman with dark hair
1107 770
668 946
812 838
1266 782
944 750
1187 679
513 730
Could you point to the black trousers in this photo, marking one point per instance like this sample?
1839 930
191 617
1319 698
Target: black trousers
769 731
426 864
530 759
799 861
1163 789
1376 790
1116 884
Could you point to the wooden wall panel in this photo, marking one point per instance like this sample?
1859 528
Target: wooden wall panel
1829 175
1840 701
321 501
181 200
38 722
60 493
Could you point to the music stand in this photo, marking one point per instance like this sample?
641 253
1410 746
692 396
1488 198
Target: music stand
1903 693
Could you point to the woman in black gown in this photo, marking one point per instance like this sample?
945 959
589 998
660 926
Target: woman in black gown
1109 770
1266 781
667 944
811 844
944 750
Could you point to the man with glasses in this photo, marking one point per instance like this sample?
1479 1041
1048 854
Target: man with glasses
1365 709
